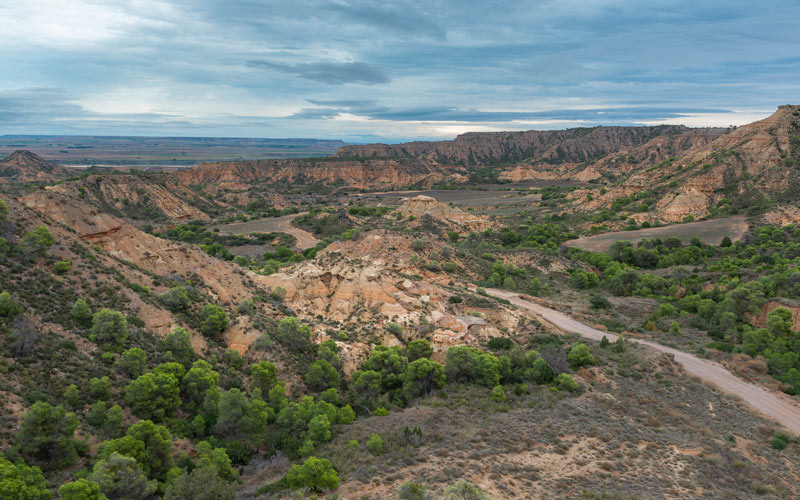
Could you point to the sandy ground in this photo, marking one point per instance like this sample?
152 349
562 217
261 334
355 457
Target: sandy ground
273 225
767 403
710 232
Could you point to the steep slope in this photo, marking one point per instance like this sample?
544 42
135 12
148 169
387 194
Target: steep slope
737 170
546 146
356 174
363 285
24 166
376 166
150 198
226 283
676 142
454 218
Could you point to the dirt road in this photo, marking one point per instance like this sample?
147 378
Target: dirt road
273 225
759 399
710 232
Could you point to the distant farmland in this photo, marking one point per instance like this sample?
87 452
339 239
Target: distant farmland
162 151
710 232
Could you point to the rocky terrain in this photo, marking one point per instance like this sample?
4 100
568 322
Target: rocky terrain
24 166
144 198
368 174
456 219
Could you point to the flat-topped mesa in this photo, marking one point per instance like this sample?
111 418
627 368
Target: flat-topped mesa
24 166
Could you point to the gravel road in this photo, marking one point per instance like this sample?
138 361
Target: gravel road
765 402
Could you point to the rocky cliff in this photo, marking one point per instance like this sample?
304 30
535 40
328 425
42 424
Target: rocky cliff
702 171
362 285
368 174
454 218
547 146
24 166
150 198
225 282
377 166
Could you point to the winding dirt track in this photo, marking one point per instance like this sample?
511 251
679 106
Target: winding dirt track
761 400
281 224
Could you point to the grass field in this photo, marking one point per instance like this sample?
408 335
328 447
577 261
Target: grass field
710 232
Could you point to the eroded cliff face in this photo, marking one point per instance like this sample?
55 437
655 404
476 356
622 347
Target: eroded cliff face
362 285
534 146
226 281
147 198
454 218
694 171
370 174
24 166
559 154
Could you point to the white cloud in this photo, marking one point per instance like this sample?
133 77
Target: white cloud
76 23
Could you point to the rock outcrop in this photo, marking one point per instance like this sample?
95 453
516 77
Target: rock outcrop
369 174
150 198
24 166
226 281
455 218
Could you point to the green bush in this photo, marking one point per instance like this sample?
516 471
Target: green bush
599 302
18 481
375 444
37 241
81 313
464 490
62 267
214 320
133 362
315 474
450 267
579 356
780 440
565 382
8 308
154 396
470 365
418 349
498 394
81 489
394 328
414 491
47 435
109 329
540 372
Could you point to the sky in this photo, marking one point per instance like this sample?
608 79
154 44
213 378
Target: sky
365 71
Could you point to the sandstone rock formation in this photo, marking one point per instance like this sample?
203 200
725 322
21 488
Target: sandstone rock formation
24 166
370 174
455 218
151 198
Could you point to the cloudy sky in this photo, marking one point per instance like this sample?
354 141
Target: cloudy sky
368 70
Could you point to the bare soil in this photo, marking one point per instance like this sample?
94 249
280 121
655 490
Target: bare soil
273 225
710 232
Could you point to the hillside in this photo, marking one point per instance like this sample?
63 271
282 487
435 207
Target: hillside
552 147
143 198
368 174
380 166
736 171
24 166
